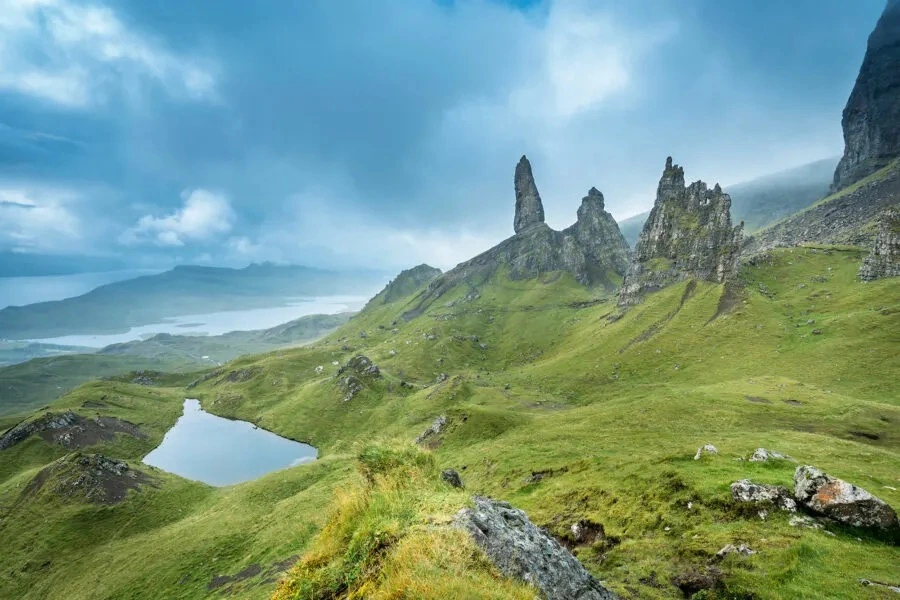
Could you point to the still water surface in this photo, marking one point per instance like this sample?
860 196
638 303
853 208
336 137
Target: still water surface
219 451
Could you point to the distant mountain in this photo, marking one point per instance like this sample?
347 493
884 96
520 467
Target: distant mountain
764 200
770 198
183 290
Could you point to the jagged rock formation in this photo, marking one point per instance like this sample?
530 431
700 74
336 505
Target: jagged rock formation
529 208
592 249
688 235
404 284
871 119
522 551
884 260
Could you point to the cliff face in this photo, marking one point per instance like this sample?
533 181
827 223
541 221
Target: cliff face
884 260
592 249
688 235
871 119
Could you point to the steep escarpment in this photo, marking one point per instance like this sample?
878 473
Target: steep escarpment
593 249
688 235
845 217
871 119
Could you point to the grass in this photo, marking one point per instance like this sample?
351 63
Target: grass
801 359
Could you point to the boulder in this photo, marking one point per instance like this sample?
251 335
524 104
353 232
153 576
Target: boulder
763 455
747 491
451 477
520 550
742 549
705 449
840 500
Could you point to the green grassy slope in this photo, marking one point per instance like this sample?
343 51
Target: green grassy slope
535 377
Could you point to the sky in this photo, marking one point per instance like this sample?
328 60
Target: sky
385 134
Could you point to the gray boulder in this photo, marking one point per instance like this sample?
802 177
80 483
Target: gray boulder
763 455
841 501
705 449
520 550
747 491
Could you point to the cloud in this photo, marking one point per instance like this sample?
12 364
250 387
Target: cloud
204 216
37 219
74 55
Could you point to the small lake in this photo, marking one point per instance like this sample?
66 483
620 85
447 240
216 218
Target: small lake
219 451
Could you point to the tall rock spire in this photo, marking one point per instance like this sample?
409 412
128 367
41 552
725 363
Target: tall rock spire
529 210
871 119
688 235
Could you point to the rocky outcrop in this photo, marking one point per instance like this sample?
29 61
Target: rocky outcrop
747 491
430 436
91 477
884 260
353 376
688 235
70 430
592 250
841 501
871 119
843 218
529 208
521 551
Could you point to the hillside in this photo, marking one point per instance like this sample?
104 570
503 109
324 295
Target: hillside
31 384
549 405
118 306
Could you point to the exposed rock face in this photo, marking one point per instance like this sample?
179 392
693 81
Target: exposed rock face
871 119
884 260
840 219
688 235
70 430
841 501
747 491
592 249
529 208
522 551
